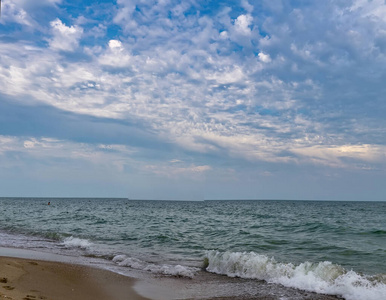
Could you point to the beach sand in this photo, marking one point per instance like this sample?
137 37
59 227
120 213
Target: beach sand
31 279
24 279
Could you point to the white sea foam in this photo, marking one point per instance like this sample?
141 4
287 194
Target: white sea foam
173 270
322 277
72 242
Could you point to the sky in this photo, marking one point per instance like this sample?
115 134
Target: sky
193 100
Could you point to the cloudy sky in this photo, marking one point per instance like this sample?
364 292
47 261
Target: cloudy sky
168 99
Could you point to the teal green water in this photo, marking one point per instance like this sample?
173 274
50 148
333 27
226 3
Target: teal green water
351 235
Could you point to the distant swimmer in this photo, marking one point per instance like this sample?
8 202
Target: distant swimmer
49 202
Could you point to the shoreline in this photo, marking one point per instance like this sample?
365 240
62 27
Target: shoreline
31 279
36 279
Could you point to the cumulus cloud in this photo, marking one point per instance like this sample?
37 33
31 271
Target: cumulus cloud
65 38
264 57
115 44
115 56
243 23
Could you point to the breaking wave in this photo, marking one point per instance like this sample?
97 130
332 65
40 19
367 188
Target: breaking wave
172 270
72 242
323 277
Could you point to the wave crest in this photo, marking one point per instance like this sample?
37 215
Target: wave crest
72 242
323 277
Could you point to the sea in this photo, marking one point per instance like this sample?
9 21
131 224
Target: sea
239 249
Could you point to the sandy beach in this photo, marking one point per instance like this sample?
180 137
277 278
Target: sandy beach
32 279
24 279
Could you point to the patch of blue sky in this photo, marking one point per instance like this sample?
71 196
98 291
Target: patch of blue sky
9 31
262 111
74 57
213 8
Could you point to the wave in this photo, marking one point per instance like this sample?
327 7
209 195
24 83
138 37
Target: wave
72 242
323 277
173 270
380 232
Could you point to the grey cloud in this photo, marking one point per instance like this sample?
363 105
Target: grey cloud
47 121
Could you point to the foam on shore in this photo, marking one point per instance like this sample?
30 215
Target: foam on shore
322 277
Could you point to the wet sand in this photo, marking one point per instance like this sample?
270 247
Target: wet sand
31 279
211 286
24 279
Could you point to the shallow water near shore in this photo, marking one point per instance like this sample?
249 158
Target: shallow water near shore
273 249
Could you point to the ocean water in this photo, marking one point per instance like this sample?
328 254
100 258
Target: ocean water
273 249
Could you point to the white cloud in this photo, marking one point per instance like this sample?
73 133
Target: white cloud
200 169
50 150
29 144
204 95
7 143
242 24
374 8
124 14
336 156
264 57
248 7
224 35
227 76
192 171
115 56
11 11
115 44
175 161
65 38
